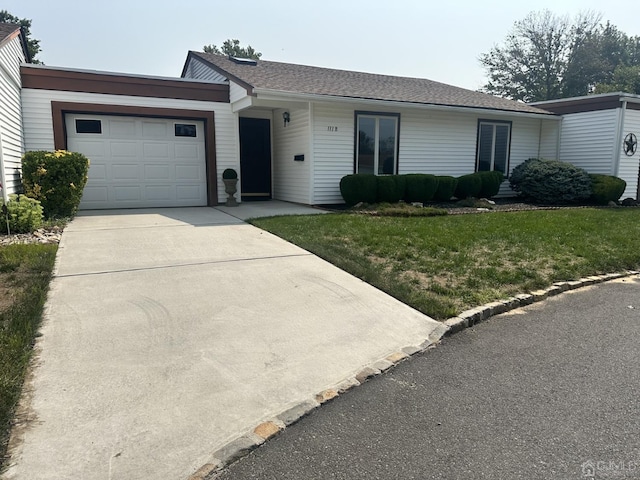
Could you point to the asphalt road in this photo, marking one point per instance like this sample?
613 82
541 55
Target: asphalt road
547 392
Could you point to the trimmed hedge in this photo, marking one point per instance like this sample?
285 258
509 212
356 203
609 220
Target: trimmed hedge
446 188
468 186
56 179
491 182
358 188
24 215
420 187
551 181
388 189
606 188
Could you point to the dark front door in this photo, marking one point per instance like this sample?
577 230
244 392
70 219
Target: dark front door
255 158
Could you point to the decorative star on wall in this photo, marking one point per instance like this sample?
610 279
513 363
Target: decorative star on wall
630 144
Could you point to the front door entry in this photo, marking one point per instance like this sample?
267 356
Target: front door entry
255 158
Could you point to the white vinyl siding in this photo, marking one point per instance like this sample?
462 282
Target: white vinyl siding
333 137
199 70
549 137
38 125
291 178
12 142
587 140
436 142
628 168
236 92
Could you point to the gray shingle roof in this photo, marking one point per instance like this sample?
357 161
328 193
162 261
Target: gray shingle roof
287 77
7 29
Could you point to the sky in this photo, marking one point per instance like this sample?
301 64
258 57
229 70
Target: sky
438 40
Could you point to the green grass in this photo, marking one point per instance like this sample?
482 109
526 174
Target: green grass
25 272
444 265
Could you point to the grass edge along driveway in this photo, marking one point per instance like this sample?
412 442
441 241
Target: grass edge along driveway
25 273
444 265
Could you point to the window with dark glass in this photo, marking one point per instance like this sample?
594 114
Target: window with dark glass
493 146
88 126
185 130
376 143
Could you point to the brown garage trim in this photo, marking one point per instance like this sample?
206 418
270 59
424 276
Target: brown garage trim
116 84
583 104
59 109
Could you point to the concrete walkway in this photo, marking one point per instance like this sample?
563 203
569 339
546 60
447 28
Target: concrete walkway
171 332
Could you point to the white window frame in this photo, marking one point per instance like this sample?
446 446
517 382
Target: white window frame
494 124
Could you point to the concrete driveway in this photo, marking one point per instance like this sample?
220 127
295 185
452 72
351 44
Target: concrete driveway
170 332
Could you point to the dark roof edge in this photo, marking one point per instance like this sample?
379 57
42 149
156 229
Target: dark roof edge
587 103
247 86
19 31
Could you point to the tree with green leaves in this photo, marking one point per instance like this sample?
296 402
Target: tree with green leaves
233 48
546 57
33 45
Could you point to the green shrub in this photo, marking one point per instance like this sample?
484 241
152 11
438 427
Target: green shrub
551 181
401 185
491 182
389 189
56 179
420 187
606 188
358 188
468 186
446 188
24 213
229 174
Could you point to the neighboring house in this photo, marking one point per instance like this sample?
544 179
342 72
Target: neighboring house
13 52
302 128
599 133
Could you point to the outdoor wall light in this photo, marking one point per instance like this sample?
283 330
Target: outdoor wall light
286 117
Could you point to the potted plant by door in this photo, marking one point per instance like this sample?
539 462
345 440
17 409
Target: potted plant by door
230 179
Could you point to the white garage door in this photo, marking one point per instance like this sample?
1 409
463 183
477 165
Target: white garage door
140 162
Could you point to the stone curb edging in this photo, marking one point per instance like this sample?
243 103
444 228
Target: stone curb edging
251 440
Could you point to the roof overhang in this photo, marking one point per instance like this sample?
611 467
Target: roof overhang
19 31
590 103
262 97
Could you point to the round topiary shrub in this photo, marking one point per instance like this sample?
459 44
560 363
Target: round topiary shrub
551 182
468 186
358 188
491 182
446 188
606 188
229 174
421 187
56 180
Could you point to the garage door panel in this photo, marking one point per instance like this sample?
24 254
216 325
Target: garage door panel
159 172
140 162
156 150
126 172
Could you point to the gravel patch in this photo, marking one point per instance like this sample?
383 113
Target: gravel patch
40 236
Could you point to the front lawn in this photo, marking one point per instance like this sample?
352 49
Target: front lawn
445 265
25 271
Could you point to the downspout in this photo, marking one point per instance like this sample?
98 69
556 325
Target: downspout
615 164
311 176
3 180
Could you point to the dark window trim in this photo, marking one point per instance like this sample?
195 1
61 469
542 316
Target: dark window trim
495 122
396 166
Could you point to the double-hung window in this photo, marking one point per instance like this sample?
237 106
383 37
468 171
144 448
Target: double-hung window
494 140
377 143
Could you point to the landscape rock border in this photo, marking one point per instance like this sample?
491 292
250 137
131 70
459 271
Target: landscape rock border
243 445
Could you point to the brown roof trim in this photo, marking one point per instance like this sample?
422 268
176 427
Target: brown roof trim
118 84
59 109
248 87
581 104
633 106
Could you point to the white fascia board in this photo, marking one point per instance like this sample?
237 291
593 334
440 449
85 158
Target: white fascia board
275 95
241 104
